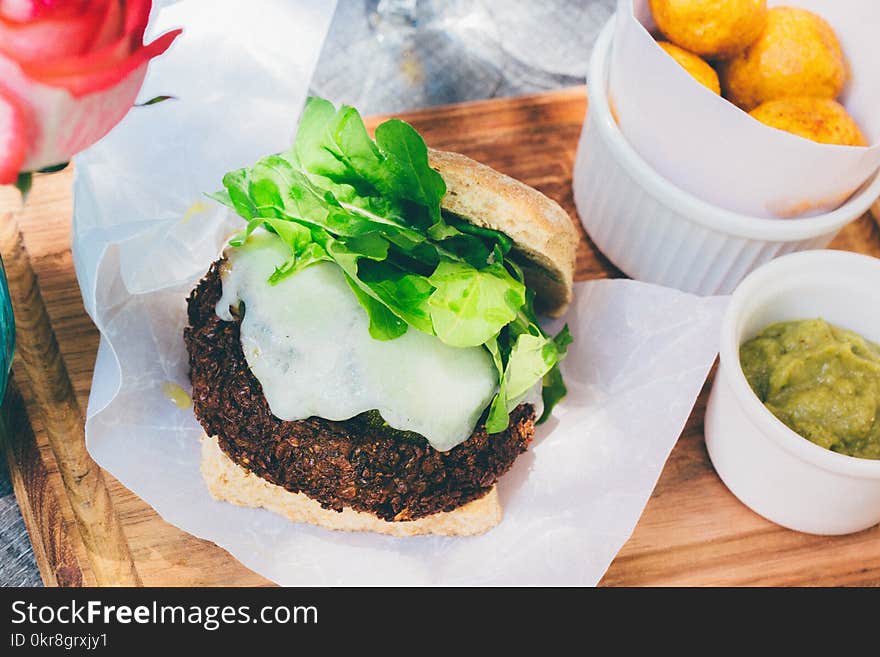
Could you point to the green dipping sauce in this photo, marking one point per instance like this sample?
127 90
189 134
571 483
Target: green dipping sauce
820 380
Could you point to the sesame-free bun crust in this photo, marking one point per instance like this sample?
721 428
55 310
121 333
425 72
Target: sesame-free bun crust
543 233
229 482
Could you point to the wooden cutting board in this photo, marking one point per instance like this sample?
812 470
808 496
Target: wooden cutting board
693 531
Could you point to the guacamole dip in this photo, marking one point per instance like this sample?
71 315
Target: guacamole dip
821 380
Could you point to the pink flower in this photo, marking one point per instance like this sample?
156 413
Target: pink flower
69 71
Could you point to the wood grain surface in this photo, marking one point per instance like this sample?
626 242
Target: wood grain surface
43 368
693 530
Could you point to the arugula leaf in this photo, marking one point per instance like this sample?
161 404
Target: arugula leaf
492 237
294 234
465 247
384 324
241 237
401 293
405 294
554 390
237 184
530 359
311 255
469 306
407 160
304 251
563 339
499 417
221 197
335 145
308 149
374 209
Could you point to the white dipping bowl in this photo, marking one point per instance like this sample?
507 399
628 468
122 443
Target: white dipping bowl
655 232
770 468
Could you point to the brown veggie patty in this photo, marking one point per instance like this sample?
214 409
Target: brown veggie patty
359 463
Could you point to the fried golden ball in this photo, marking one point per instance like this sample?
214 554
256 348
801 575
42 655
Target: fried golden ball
710 28
693 64
820 119
797 54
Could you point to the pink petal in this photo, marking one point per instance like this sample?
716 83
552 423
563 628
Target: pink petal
112 26
51 37
28 10
137 13
13 138
99 70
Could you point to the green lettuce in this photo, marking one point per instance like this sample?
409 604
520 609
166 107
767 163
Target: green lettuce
470 306
372 207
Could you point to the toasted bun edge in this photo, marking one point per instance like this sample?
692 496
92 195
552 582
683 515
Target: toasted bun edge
543 233
227 481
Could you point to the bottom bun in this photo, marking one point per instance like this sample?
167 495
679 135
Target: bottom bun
229 482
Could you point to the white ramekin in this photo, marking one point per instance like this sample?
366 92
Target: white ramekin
653 231
779 474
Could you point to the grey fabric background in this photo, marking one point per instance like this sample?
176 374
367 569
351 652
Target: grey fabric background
386 56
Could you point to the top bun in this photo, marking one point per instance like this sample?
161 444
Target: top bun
542 232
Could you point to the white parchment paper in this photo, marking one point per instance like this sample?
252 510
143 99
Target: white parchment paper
143 235
712 149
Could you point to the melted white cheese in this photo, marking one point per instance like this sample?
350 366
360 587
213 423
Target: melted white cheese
307 341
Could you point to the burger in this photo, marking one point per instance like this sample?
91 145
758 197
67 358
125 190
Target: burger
365 355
